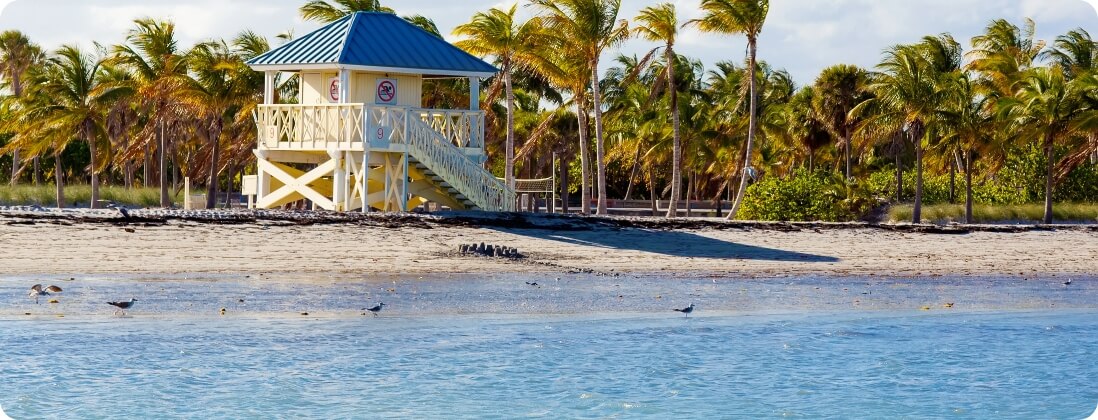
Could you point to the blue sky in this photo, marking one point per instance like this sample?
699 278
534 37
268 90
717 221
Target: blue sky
801 36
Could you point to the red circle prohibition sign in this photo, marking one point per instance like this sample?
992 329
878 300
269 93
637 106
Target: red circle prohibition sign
386 91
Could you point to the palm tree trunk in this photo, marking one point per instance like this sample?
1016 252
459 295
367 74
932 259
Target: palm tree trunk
94 172
211 182
652 191
564 186
58 180
690 192
596 100
509 172
751 41
165 201
968 186
846 152
811 161
15 167
129 174
37 175
953 181
633 173
917 214
897 147
146 168
585 171
1048 179
676 169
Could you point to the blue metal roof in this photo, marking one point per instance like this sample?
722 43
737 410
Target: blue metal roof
378 40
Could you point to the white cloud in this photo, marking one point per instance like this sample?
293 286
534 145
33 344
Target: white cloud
802 36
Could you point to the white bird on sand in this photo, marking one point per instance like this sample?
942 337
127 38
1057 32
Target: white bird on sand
376 309
123 306
37 290
687 310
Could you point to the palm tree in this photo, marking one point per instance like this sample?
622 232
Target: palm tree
325 11
803 124
590 27
222 83
908 97
159 69
739 17
1046 106
969 126
838 90
17 55
515 46
73 101
1002 54
1075 52
660 23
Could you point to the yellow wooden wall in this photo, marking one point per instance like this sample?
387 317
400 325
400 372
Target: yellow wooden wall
314 88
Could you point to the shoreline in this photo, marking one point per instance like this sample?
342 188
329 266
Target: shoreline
513 295
157 242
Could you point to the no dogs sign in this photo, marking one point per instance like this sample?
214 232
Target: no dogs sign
386 92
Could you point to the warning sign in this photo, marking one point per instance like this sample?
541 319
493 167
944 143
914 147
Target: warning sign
333 90
386 92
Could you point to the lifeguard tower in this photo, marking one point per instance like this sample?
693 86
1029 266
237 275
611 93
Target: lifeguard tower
358 137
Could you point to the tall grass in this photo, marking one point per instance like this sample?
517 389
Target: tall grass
80 195
995 213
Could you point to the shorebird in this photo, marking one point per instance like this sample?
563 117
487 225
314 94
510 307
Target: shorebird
121 209
375 309
37 290
535 284
687 310
1067 283
123 306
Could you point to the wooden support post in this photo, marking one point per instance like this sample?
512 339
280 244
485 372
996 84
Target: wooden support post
269 87
339 180
263 180
365 175
474 105
344 86
404 183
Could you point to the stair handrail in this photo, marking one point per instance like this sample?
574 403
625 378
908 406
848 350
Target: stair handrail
437 152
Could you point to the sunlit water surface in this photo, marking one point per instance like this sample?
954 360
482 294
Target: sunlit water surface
875 364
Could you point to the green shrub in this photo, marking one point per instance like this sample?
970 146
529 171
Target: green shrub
804 196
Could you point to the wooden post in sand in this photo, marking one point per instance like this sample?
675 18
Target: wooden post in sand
186 193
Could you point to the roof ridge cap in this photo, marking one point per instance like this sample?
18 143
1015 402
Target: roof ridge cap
346 36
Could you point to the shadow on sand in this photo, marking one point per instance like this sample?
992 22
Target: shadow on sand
672 243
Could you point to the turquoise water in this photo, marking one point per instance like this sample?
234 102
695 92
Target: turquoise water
807 364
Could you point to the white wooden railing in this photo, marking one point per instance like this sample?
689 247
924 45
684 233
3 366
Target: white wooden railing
474 182
313 127
321 127
462 128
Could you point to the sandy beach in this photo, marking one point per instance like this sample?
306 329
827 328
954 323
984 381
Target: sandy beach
100 242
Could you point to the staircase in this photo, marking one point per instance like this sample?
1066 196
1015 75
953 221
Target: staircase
452 171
